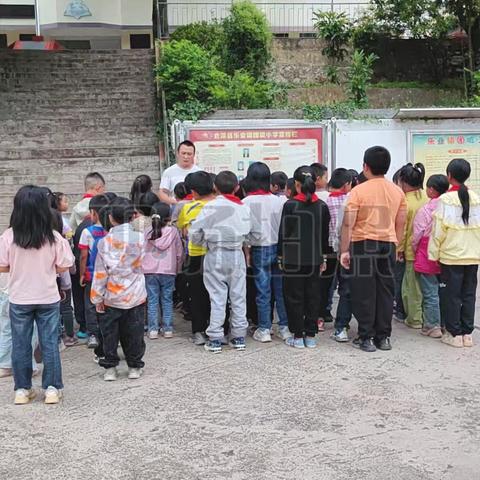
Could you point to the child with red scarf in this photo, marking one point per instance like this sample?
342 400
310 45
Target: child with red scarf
302 243
223 226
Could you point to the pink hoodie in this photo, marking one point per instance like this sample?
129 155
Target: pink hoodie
165 254
422 229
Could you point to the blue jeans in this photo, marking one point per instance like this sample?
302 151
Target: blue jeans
431 299
47 318
267 274
344 309
160 291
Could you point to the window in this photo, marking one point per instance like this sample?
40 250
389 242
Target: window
75 44
140 40
26 37
280 35
17 11
308 35
3 40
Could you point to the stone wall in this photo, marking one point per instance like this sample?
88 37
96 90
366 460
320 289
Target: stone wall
63 114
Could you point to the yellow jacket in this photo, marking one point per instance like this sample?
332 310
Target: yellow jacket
452 242
415 201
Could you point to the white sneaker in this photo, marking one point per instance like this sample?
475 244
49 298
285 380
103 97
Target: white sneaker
341 336
24 396
110 374
52 395
283 333
262 335
153 334
134 373
168 334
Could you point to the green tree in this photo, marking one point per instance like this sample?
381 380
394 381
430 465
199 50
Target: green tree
208 35
247 40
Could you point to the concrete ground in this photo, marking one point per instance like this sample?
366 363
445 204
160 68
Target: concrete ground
267 413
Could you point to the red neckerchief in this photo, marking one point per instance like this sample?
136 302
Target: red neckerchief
260 192
454 188
301 197
337 194
232 198
88 195
189 197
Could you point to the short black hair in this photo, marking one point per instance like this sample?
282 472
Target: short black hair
439 183
377 159
319 169
200 182
186 143
226 182
258 177
122 210
279 179
291 186
98 202
145 202
340 177
92 179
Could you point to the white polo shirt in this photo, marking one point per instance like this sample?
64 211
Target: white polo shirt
175 174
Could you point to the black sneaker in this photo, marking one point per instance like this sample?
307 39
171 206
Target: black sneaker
357 342
367 345
383 344
328 318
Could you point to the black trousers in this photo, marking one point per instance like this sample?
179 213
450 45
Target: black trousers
458 288
199 298
78 295
372 287
66 313
127 326
326 281
301 285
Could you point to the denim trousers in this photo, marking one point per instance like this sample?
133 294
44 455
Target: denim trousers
160 292
6 336
125 326
267 275
47 318
431 299
344 309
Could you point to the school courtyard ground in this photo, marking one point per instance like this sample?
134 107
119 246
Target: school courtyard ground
267 413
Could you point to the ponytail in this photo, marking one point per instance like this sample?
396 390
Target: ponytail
459 170
306 177
160 218
464 198
412 175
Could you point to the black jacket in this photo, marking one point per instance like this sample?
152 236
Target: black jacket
303 235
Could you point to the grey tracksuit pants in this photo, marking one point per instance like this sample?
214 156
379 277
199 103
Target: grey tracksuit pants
225 279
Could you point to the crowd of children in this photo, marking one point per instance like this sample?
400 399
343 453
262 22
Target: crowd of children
236 257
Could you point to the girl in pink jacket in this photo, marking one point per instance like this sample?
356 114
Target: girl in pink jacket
427 270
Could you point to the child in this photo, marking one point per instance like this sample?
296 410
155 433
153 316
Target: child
201 185
162 261
455 243
267 211
373 223
340 186
223 225
6 334
398 309
302 241
143 211
87 245
30 245
61 204
141 185
94 185
321 184
290 189
183 195
427 271
411 180
278 183
118 292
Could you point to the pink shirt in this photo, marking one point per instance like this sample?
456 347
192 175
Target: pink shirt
165 254
33 274
422 229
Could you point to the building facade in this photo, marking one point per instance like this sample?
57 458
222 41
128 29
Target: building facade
84 24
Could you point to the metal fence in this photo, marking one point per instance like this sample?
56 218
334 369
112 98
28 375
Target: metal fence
283 17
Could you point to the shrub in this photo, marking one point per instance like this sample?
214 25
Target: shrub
247 40
207 35
359 76
186 72
335 29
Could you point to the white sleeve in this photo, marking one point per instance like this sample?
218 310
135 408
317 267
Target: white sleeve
165 182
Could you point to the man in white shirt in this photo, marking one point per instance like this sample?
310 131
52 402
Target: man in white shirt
177 173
